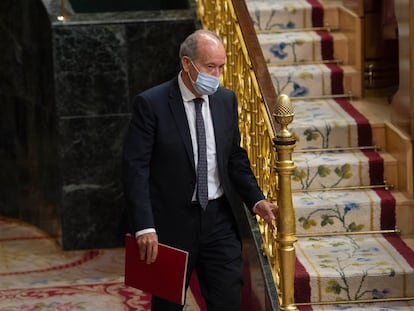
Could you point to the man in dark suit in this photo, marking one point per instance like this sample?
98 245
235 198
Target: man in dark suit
167 202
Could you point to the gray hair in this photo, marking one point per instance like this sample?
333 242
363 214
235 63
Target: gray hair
189 47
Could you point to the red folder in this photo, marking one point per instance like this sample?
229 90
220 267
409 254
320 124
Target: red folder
165 278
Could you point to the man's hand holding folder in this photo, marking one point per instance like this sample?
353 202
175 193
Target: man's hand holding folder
164 277
148 246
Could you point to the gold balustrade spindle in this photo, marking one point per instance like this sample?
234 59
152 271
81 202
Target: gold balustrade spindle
286 234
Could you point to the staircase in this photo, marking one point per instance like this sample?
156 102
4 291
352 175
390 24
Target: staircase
345 186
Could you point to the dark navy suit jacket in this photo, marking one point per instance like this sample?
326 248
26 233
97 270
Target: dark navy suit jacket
158 164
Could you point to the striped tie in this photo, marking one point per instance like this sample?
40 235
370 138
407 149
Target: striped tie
202 186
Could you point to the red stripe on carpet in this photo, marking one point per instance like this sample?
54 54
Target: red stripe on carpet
89 255
364 127
31 298
387 209
317 13
326 45
337 78
401 247
302 283
25 238
376 167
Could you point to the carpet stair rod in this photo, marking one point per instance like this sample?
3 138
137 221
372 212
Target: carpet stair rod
347 233
374 147
349 96
299 63
348 188
325 28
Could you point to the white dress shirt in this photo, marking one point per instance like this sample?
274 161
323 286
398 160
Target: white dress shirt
214 186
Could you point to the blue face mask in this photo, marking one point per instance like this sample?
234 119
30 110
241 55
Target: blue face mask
205 84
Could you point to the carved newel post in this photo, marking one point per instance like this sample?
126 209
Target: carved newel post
286 229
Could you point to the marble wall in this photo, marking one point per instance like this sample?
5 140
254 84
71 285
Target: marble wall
65 93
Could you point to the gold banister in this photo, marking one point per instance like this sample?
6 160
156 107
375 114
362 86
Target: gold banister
256 98
247 75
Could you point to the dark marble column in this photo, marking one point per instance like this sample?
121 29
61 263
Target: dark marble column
101 61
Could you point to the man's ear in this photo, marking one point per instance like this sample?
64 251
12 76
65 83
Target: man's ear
185 63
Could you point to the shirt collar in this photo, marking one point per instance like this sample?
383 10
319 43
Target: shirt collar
187 95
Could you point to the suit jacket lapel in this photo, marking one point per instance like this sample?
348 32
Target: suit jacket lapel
178 111
219 118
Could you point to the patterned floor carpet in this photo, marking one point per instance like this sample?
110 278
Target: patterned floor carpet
37 275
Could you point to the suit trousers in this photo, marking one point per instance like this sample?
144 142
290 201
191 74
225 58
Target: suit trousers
216 257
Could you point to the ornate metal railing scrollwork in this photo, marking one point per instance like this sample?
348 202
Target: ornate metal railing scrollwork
256 126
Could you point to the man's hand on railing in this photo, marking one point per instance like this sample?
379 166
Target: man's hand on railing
267 211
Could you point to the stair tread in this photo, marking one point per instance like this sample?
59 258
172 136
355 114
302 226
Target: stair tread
324 123
316 170
282 14
385 262
313 79
325 212
288 48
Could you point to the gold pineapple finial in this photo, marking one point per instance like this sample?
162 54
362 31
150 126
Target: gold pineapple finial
284 115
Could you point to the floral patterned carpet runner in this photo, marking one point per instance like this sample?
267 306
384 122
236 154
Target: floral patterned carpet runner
338 267
275 47
355 267
329 123
344 211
